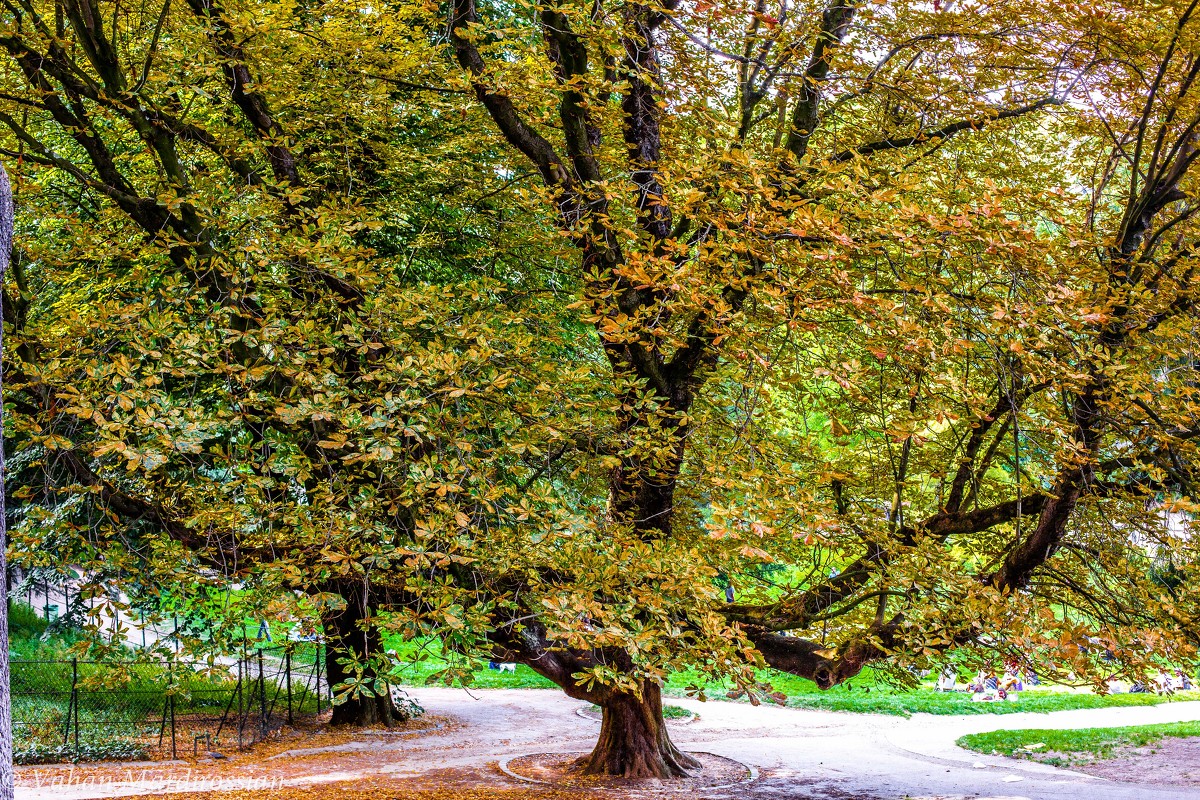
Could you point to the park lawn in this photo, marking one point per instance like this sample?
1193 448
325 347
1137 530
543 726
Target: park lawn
868 694
904 702
1095 742
669 711
864 694
421 663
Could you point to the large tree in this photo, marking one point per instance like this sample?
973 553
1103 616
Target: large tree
247 251
880 210
749 284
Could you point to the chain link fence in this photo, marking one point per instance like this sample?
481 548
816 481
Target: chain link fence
69 710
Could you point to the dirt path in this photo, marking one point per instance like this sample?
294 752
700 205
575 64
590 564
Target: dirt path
1175 761
798 753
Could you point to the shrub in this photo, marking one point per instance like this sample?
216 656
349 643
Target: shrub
24 622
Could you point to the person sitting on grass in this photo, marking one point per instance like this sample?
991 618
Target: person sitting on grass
1012 677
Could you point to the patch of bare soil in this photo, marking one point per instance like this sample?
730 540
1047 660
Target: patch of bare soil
561 770
318 741
312 748
804 789
1168 762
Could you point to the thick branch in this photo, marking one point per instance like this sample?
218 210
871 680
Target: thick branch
835 25
826 667
501 109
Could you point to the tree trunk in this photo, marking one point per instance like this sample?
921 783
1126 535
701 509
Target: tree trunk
634 742
6 741
346 638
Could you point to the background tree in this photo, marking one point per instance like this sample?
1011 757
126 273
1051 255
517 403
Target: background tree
7 787
1011 452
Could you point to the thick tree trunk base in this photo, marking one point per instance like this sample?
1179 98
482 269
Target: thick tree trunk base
349 637
634 742
362 711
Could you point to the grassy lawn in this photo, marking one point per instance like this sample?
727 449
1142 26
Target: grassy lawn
669 712
864 694
1084 743
422 661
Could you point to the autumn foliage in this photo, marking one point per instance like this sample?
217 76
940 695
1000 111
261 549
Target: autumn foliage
531 327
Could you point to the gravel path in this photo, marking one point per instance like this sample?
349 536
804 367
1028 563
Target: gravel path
799 753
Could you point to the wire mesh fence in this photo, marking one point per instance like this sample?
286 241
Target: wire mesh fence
82 710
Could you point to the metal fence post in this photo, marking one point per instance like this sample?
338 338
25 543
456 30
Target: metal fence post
262 698
287 668
171 700
70 703
241 696
75 697
317 687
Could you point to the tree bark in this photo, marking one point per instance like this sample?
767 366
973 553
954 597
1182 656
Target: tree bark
633 740
347 638
6 741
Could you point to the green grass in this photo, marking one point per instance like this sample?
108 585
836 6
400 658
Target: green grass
669 712
865 694
869 694
24 623
1090 743
421 663
883 699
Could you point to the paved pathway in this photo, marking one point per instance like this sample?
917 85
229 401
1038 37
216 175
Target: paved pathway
800 754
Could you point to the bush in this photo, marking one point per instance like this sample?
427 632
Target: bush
24 622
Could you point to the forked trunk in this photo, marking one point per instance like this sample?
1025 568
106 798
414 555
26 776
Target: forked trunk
634 742
346 639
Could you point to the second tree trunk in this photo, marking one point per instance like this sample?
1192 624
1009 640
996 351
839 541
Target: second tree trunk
349 637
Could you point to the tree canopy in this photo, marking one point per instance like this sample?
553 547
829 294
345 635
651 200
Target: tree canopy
531 327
